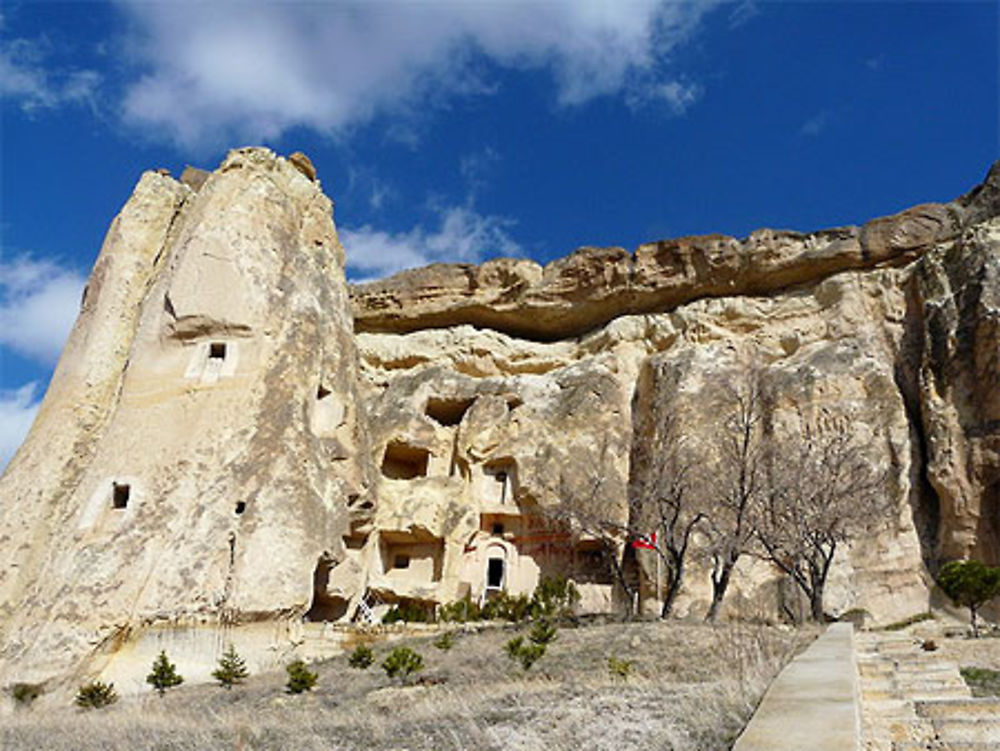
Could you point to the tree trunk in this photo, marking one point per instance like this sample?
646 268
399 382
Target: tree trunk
719 587
674 584
975 621
816 603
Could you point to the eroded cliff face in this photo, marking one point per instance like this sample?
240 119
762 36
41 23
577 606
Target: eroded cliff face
887 332
231 437
201 448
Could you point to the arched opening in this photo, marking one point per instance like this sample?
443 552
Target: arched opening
325 607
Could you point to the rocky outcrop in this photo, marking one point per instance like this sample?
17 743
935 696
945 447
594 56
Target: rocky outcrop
201 447
225 446
593 286
957 291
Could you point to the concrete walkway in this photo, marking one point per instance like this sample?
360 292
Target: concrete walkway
813 703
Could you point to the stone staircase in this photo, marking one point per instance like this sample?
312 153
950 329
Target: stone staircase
915 700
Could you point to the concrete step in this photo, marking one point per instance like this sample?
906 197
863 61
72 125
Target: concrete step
968 731
960 708
953 692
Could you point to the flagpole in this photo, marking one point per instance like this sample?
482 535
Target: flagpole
658 598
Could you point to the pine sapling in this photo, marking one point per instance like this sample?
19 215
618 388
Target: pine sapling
164 674
300 678
232 669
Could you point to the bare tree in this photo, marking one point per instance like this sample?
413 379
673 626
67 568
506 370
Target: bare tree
661 497
586 510
822 492
734 485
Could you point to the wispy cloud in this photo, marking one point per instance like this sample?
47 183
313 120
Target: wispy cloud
28 76
743 13
213 74
462 235
815 124
678 96
39 301
17 412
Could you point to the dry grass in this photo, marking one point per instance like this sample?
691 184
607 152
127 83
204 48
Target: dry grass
693 687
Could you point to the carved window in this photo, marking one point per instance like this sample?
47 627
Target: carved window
119 495
217 351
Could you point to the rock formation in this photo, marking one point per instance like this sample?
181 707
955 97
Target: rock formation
220 451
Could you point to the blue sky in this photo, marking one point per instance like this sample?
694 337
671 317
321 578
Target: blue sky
465 130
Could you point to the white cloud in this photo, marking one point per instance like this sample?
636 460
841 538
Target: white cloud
17 412
26 77
815 124
462 236
676 95
249 71
39 301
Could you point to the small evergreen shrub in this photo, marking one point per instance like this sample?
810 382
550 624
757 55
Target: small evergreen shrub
554 597
446 641
232 669
401 662
96 695
542 632
506 607
25 693
362 657
164 675
409 611
619 668
300 678
461 611
526 653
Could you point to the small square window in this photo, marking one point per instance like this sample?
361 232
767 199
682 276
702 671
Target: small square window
498 529
401 561
241 506
119 495
217 351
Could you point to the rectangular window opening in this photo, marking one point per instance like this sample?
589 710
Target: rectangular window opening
119 495
217 351
401 561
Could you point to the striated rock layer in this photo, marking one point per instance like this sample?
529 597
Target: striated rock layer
233 444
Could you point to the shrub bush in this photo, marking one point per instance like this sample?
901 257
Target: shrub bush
409 611
543 632
164 674
554 597
506 607
619 668
232 669
300 678
526 653
362 657
25 693
96 695
401 662
446 641
461 611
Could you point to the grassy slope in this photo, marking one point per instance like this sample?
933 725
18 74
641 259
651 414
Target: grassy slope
693 687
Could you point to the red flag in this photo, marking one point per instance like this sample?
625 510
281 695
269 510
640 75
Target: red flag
645 541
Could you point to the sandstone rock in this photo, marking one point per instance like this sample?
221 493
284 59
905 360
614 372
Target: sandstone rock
591 287
182 464
303 164
224 451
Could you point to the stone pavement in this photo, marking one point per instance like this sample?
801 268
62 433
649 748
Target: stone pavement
915 700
